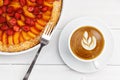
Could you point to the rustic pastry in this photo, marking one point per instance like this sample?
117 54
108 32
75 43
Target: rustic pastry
23 21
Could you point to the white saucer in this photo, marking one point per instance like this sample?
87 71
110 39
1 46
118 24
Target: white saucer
73 63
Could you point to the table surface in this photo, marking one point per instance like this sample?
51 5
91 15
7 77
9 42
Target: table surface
49 65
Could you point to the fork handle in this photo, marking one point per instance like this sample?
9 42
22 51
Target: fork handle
33 62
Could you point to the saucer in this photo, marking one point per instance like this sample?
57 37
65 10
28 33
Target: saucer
73 63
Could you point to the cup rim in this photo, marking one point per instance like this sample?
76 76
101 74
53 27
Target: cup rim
78 58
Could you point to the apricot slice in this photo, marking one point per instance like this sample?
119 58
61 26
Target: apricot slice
47 13
20 23
34 30
29 3
15 4
4 38
46 17
25 36
1 2
38 26
48 4
8 17
31 34
27 13
10 40
16 37
42 22
21 38
22 18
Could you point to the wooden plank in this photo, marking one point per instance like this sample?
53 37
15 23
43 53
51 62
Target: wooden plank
106 11
40 72
109 73
56 72
115 60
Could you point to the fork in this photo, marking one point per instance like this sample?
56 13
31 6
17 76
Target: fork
44 41
45 38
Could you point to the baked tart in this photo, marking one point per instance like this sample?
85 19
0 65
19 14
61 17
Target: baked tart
22 22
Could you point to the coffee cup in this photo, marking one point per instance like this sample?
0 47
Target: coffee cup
87 43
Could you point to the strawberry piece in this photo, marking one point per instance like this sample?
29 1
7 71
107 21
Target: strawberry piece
6 2
39 16
32 23
34 20
30 8
16 28
1 12
26 28
28 21
13 21
36 10
44 9
33 1
19 10
4 8
39 2
9 32
10 9
17 15
4 27
2 19
11 14
22 2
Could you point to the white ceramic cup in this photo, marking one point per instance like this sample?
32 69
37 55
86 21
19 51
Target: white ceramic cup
104 31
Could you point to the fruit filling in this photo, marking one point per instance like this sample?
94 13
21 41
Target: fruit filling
23 20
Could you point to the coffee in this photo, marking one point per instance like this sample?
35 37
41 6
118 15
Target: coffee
87 42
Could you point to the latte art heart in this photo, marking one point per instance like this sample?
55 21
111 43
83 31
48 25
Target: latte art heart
88 43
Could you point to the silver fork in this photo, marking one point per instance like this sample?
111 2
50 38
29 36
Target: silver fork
44 41
45 37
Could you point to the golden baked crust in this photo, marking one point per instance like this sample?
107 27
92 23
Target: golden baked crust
57 5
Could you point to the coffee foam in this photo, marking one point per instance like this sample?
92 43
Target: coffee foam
88 42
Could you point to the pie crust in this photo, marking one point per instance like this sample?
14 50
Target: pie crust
57 6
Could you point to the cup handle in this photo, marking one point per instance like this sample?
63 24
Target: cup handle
96 64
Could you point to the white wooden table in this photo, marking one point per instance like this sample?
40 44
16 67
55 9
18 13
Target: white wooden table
49 65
